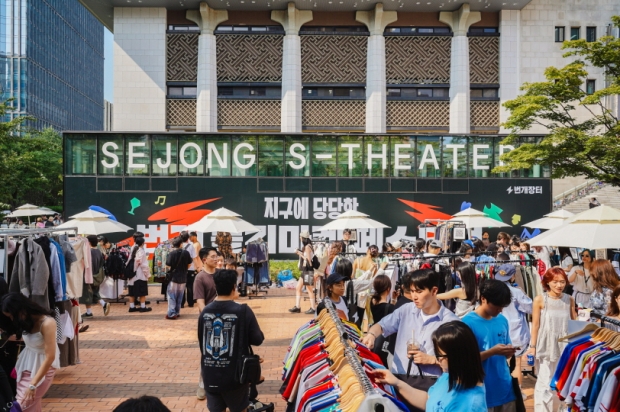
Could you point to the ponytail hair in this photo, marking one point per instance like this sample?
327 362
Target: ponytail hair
380 285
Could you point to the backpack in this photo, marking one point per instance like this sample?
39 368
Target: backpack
129 272
315 262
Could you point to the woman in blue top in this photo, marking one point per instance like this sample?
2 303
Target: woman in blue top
460 387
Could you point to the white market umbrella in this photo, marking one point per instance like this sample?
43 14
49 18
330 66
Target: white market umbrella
223 220
596 228
91 222
473 218
550 220
353 219
28 210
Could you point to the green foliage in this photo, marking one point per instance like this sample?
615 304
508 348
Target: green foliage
30 163
276 266
572 147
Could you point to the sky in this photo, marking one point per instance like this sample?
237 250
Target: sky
108 41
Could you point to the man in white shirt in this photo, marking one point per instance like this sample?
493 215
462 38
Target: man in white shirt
188 244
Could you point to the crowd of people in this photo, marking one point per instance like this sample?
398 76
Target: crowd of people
40 222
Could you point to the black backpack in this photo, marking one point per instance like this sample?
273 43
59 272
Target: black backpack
129 272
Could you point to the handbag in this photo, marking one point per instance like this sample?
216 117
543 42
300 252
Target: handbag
248 366
519 403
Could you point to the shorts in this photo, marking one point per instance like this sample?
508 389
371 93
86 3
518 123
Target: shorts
139 288
236 400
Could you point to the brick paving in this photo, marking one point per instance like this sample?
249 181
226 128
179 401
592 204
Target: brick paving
131 354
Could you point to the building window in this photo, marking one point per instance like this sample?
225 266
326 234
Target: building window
559 34
249 92
258 91
483 94
417 30
481 31
425 92
591 34
417 93
334 93
574 33
393 92
181 91
590 86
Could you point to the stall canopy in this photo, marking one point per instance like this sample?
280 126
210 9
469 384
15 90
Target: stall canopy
223 220
91 222
353 219
473 218
550 220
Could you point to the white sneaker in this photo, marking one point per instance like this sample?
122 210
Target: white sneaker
201 395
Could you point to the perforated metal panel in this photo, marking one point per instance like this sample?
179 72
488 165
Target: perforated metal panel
417 59
249 58
182 57
484 59
485 114
334 113
418 113
333 59
248 112
181 112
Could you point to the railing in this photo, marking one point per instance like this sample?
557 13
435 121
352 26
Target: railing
577 192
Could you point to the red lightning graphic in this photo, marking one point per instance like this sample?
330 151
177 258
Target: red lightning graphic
183 214
424 211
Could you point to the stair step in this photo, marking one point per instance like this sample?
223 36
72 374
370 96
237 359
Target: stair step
608 195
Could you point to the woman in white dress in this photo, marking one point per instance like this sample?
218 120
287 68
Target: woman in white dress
38 361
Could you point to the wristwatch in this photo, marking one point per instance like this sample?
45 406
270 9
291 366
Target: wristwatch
32 388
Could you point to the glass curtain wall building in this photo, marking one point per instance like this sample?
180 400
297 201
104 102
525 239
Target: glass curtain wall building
51 63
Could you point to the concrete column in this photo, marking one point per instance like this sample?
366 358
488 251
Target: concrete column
509 60
459 21
376 21
206 86
139 69
291 19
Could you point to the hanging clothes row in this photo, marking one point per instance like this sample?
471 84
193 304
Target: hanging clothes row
50 269
587 377
327 368
257 263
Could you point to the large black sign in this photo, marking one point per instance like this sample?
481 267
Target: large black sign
282 207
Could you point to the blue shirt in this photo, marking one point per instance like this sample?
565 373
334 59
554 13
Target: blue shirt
491 332
516 314
440 399
405 319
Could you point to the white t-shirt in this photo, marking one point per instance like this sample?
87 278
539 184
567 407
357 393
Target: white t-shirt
566 262
192 253
341 305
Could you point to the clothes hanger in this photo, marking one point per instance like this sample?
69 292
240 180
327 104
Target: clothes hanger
586 329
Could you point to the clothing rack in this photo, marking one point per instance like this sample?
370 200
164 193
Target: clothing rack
604 319
349 352
9 233
373 400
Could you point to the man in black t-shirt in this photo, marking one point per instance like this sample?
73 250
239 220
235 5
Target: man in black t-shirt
178 262
222 342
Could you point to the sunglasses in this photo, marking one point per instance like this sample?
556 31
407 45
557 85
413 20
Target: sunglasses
440 356
585 256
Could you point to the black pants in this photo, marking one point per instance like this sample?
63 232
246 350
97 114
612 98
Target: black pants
189 292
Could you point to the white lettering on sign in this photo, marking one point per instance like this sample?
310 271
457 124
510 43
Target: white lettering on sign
504 148
132 155
106 152
286 207
197 159
398 157
478 156
382 156
249 157
525 190
212 152
429 157
350 146
168 157
302 158
455 154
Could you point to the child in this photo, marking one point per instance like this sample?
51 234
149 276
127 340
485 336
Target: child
516 314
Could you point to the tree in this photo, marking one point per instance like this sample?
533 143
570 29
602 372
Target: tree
30 163
572 147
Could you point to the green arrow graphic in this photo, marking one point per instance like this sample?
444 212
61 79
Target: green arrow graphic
493 212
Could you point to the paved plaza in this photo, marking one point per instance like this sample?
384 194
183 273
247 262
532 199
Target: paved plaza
131 354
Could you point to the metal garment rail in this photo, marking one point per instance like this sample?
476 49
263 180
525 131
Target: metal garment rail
605 319
349 352
6 234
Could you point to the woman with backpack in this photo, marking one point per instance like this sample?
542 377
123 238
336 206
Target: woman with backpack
138 285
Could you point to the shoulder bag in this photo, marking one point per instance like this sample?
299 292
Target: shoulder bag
248 366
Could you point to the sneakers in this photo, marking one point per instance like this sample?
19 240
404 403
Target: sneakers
201 395
171 317
310 311
106 308
294 309
134 309
142 310
87 315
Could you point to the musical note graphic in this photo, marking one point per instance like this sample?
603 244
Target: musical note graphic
135 203
162 199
